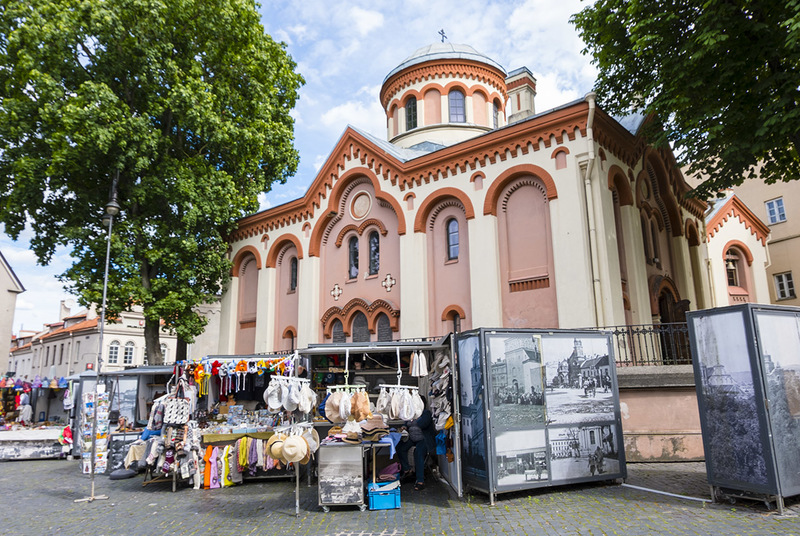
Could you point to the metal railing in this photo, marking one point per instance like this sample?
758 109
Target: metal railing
651 344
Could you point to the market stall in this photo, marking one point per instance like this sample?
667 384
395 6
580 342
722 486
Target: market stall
747 367
554 405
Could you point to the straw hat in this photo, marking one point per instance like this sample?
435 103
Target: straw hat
275 446
312 438
332 407
360 406
295 448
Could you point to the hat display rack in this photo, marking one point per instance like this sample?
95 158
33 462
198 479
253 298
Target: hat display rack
399 377
348 387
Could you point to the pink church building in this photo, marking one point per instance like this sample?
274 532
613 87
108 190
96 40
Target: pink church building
477 211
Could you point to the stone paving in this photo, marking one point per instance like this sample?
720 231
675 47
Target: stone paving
39 499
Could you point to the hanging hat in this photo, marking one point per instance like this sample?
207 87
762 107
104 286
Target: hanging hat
312 438
18 385
332 407
215 368
308 399
62 383
321 408
241 366
345 406
272 396
406 411
418 404
360 406
290 396
275 446
295 448
307 457
252 366
26 387
383 400
37 382
394 405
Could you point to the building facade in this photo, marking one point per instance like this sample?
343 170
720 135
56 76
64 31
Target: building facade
477 211
11 287
70 346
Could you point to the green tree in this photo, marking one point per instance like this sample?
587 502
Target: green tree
186 101
722 77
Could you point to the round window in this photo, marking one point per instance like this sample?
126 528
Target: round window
360 206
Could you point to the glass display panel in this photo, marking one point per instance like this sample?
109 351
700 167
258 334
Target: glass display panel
779 343
521 458
473 412
735 447
515 365
584 451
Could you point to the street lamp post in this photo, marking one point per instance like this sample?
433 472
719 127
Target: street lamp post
112 209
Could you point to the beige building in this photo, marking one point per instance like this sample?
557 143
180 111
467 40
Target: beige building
69 346
10 287
778 206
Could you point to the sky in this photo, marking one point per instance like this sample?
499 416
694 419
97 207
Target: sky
344 50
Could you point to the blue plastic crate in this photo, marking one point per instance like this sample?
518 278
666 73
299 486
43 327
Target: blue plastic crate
380 499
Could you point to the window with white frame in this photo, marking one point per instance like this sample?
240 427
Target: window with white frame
164 352
127 359
113 353
775 211
784 286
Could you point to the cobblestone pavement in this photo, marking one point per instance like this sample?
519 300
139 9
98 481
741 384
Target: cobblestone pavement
39 499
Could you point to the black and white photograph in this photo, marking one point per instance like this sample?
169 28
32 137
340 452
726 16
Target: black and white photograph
473 410
515 362
731 419
779 336
578 379
340 475
584 451
521 458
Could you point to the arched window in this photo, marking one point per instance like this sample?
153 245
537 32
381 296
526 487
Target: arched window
352 248
457 108
456 323
127 358
452 239
645 240
113 352
732 268
384 328
411 113
293 274
360 328
337 333
374 253
656 252
495 115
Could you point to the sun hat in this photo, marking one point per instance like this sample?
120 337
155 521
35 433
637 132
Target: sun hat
353 438
332 407
275 446
351 426
295 448
290 396
312 438
345 406
417 404
272 396
406 412
360 406
321 408
383 400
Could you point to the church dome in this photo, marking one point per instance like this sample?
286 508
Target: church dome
443 93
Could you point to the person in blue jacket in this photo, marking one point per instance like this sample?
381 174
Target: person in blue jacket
421 434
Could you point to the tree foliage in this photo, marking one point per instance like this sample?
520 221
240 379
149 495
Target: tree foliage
187 101
722 77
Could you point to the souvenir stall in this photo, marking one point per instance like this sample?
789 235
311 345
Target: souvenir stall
368 393
22 437
554 405
747 369
208 430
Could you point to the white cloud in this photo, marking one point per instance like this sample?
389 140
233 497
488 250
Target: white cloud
319 161
368 116
365 20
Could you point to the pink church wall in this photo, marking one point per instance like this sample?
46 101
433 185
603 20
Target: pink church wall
479 109
286 312
379 217
449 279
433 107
246 318
526 256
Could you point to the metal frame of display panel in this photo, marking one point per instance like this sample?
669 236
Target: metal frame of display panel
729 387
516 409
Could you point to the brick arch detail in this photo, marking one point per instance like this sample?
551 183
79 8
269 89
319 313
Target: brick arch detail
559 150
453 309
241 255
431 201
289 332
277 246
659 283
334 201
692 233
346 313
499 184
618 180
738 244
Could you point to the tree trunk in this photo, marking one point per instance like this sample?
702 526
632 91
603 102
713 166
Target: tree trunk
180 353
152 343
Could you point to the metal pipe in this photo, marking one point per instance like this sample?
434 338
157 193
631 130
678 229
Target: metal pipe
587 184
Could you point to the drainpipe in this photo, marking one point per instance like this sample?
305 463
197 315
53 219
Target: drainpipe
587 184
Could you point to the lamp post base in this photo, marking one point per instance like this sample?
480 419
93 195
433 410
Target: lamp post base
93 498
